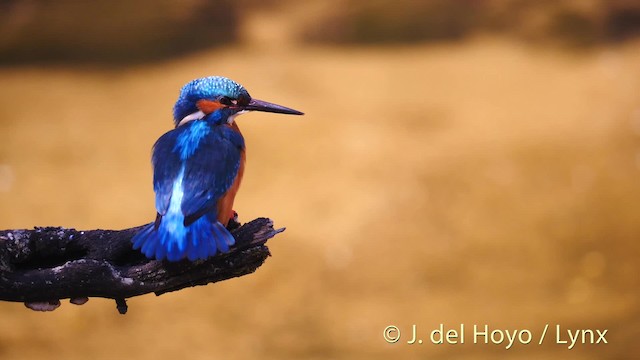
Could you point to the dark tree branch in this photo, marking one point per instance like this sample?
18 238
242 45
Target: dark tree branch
41 266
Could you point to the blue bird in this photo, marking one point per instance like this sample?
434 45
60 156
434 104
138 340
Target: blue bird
197 170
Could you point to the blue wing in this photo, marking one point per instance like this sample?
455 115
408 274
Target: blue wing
166 168
210 172
211 160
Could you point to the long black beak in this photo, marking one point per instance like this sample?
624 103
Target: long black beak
259 105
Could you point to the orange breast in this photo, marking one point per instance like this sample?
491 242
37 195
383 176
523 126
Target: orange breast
225 204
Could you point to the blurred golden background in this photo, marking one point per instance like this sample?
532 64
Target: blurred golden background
460 162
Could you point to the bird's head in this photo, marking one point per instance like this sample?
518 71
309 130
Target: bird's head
220 100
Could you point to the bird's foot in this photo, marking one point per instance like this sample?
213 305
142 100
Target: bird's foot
233 222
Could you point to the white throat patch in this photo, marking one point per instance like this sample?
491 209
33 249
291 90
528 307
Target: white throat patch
231 118
199 115
194 116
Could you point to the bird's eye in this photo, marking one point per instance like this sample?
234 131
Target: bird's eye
225 100
243 100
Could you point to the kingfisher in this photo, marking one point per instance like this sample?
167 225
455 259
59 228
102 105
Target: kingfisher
197 170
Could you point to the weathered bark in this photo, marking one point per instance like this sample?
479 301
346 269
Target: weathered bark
41 266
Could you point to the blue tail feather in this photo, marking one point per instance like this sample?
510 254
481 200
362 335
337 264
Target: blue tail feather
173 241
223 239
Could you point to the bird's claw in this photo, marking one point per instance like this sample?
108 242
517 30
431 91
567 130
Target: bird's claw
233 222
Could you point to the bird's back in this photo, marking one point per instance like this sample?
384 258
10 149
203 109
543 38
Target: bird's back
197 171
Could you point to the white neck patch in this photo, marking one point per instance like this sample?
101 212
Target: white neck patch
194 116
231 118
199 115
